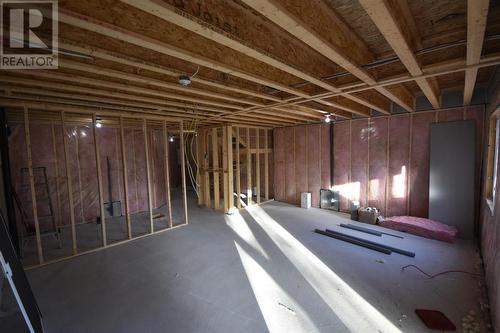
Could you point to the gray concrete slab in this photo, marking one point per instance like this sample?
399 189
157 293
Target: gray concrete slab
256 271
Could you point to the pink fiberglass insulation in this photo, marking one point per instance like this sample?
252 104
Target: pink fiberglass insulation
279 164
325 156
314 162
290 185
48 151
399 145
378 163
300 161
419 171
421 227
359 159
341 160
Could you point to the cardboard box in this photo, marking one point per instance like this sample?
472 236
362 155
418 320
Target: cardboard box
368 215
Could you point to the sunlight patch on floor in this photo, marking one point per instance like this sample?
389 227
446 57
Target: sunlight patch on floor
353 310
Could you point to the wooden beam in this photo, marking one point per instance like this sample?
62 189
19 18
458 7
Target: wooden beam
257 165
125 180
34 207
90 24
183 172
74 65
230 174
56 167
166 174
148 175
199 159
70 185
266 165
249 169
127 87
477 14
138 63
389 19
206 161
236 132
281 16
215 165
99 180
225 170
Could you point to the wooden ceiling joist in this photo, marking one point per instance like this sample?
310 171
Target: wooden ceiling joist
390 20
278 14
105 29
173 15
63 63
477 13
140 64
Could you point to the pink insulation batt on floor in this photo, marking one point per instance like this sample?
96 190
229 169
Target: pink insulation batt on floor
421 227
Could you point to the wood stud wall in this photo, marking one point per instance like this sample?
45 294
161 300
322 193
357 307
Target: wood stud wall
239 149
122 117
366 151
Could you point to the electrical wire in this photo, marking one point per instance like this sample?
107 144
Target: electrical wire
440 273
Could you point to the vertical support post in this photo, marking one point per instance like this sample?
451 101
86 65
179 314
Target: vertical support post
238 170
148 174
249 169
199 157
167 174
70 185
206 181
257 164
225 170
266 165
78 169
215 167
153 167
56 167
99 179
230 170
183 172
32 186
125 182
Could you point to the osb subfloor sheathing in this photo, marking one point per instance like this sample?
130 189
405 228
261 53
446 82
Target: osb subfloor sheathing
259 270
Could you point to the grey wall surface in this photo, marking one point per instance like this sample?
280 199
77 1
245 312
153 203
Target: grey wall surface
451 186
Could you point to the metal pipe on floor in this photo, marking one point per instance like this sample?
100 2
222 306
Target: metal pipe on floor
361 229
354 241
393 249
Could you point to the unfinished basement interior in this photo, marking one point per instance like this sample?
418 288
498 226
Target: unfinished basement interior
249 166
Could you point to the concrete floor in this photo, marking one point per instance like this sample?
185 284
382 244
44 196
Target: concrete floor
258 271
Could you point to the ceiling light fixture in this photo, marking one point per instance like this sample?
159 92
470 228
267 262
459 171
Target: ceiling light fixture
185 80
328 118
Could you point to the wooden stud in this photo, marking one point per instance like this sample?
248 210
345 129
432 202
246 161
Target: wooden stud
70 185
477 14
266 165
153 166
78 168
99 179
206 161
230 168
225 168
249 169
32 186
199 158
135 169
148 175
388 173
368 164
56 167
238 170
116 132
183 173
257 165
167 174
215 166
125 180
